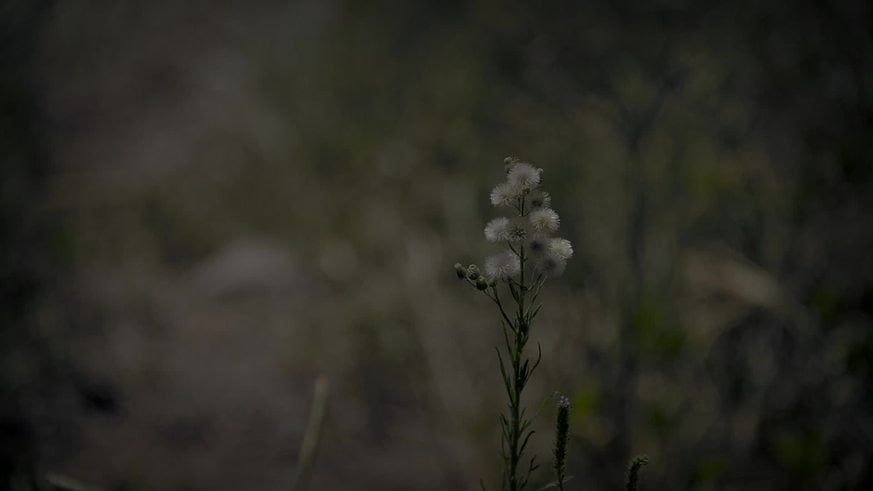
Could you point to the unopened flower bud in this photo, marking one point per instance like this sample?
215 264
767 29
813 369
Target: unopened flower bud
461 271
481 283
562 429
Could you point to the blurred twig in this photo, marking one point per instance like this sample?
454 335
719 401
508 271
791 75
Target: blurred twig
312 437
58 482
633 472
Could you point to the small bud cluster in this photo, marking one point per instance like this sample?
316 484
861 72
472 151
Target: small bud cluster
471 273
532 228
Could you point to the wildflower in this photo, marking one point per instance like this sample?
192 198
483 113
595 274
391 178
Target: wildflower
503 265
524 176
545 220
517 231
561 248
540 199
550 265
538 245
505 194
528 234
498 230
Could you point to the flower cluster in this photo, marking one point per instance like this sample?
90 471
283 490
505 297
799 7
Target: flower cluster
530 232
532 255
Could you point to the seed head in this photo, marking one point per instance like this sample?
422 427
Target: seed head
545 220
502 265
505 194
550 265
538 245
524 176
498 229
540 199
561 248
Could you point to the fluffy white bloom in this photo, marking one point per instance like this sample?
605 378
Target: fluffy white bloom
503 265
538 245
518 230
545 220
550 265
504 194
540 199
524 176
561 248
498 230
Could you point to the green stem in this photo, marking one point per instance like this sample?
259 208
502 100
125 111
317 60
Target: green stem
312 436
519 376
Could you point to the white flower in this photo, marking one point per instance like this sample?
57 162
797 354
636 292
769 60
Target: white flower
503 265
561 248
498 230
545 220
538 245
504 194
524 176
518 230
540 199
550 265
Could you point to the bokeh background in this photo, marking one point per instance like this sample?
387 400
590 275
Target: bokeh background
207 205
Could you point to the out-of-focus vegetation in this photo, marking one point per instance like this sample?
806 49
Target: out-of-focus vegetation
206 206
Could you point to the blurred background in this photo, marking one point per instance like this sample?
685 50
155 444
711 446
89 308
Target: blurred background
207 205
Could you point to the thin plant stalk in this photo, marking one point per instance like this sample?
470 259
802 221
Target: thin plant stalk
516 432
532 254
312 436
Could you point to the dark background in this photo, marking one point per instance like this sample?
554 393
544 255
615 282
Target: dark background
206 205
